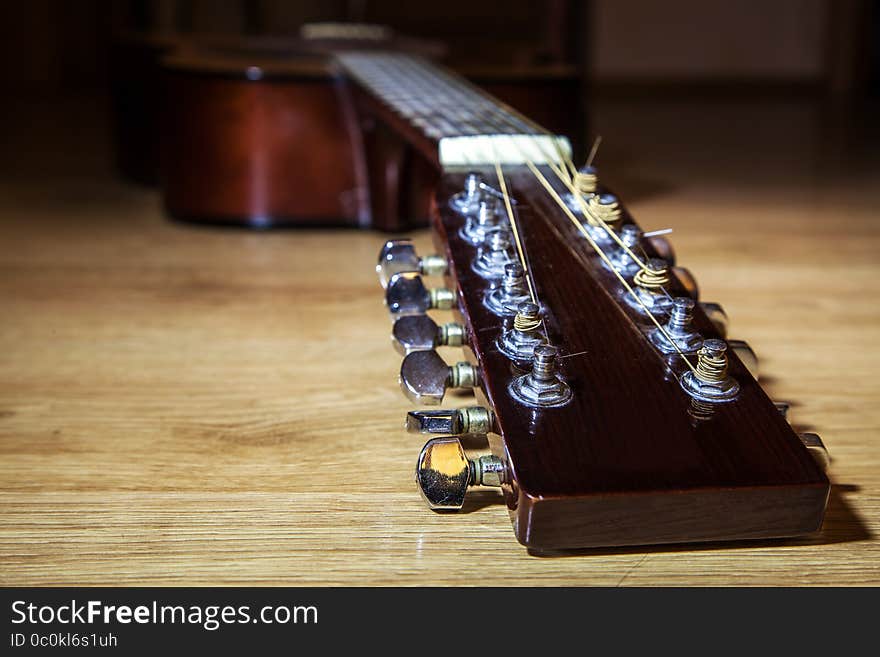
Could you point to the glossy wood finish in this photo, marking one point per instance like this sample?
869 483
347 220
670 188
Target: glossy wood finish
184 405
262 142
631 459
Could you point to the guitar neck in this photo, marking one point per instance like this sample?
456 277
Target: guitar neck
452 121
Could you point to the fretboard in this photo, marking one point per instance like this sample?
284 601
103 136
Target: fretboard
470 126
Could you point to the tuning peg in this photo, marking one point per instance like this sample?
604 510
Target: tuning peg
715 313
816 448
811 441
452 422
663 248
406 294
688 282
400 256
421 333
425 376
444 473
745 353
782 407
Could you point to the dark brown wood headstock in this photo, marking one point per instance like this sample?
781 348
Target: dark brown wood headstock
632 458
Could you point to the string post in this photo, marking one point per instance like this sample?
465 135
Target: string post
494 254
467 201
709 381
472 182
487 218
542 387
622 259
678 334
605 207
518 342
586 180
504 299
650 288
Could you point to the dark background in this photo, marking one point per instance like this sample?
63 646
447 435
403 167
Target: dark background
820 46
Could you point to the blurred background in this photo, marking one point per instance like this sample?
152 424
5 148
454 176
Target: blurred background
818 45
812 63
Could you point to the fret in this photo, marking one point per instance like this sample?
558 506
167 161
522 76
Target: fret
470 126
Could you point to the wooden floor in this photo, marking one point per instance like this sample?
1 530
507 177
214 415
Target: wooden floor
184 405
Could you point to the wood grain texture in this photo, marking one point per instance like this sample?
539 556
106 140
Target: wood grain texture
625 461
186 405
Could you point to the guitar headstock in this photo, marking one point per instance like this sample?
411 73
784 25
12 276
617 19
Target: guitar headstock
616 411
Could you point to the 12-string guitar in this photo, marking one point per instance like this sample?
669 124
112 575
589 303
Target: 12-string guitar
615 411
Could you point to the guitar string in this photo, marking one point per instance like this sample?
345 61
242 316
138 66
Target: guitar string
515 229
574 220
552 192
595 149
594 218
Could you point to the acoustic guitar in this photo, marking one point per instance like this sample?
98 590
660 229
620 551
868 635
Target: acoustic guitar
610 407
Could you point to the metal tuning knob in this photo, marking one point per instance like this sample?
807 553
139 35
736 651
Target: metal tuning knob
688 282
811 441
444 473
452 422
817 449
663 248
425 377
421 333
400 256
715 313
745 353
783 408
406 294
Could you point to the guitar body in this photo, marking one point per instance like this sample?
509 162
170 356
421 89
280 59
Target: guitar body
261 140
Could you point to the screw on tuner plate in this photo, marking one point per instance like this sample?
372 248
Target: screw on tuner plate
519 341
406 294
444 473
425 377
542 387
421 333
400 256
453 422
